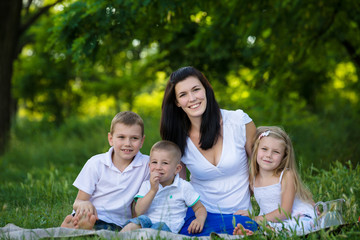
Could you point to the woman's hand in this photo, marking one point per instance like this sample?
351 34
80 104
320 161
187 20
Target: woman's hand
260 219
242 213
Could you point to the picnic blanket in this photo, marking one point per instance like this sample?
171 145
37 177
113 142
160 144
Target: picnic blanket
11 231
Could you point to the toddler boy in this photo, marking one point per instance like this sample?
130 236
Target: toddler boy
109 181
163 200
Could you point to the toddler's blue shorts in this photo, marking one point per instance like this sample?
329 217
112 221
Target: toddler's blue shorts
146 222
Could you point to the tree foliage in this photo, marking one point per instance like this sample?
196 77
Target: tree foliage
288 62
291 45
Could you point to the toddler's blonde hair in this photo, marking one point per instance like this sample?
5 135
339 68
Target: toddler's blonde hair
168 146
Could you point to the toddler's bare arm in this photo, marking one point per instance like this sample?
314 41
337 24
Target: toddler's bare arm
197 224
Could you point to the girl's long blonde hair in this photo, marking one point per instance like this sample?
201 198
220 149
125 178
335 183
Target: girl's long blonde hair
288 162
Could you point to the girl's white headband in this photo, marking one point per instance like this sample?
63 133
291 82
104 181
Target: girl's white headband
264 134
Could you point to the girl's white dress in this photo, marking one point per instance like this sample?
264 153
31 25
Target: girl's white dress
302 219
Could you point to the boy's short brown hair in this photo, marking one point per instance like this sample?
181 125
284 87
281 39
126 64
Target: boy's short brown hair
168 146
128 118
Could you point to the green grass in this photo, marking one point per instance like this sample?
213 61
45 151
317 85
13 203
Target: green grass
42 162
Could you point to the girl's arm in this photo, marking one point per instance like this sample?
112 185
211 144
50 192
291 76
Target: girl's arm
250 133
287 200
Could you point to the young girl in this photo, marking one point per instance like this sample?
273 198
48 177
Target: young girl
285 203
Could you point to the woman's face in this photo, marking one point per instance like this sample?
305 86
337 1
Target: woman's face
191 96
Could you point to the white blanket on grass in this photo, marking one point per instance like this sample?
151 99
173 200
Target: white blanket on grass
11 231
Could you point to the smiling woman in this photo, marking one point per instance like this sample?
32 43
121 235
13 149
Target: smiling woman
215 145
191 97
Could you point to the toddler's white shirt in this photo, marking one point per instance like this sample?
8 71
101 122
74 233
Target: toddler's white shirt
111 190
223 188
170 202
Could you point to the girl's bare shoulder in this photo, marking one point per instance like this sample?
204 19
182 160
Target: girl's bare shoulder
288 176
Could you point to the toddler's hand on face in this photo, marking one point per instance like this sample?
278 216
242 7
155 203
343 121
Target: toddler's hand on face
154 180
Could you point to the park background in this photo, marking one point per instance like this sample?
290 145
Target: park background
68 66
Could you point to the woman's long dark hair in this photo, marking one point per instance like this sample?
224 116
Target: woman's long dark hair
175 124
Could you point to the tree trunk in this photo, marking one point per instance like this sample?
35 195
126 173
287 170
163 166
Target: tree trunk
9 29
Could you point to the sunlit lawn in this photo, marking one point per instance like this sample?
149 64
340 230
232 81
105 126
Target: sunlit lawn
37 173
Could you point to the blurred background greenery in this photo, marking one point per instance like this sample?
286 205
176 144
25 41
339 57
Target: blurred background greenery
289 63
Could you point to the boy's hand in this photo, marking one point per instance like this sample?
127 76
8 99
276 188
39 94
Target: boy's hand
196 226
83 208
154 180
242 213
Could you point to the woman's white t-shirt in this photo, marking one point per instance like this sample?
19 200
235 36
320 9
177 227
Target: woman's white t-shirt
223 188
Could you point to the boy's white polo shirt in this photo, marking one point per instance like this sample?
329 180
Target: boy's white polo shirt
170 202
111 190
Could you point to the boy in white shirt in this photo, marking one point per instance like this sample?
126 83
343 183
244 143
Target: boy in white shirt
163 200
109 181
